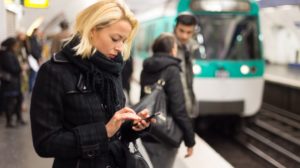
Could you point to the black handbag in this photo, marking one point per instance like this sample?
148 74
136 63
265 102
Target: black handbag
134 158
165 129
127 157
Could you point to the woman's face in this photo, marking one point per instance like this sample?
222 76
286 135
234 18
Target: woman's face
110 40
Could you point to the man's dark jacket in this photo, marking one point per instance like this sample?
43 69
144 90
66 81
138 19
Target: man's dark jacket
163 65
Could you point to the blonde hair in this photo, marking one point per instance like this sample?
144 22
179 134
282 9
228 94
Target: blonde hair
100 15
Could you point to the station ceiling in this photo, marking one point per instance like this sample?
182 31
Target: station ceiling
140 6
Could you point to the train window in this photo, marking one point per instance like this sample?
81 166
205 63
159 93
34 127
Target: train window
229 37
220 5
150 36
139 40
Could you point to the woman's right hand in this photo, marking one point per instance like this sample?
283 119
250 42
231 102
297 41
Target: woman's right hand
118 119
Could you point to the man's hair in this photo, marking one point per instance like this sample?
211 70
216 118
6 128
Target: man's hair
64 25
186 19
164 43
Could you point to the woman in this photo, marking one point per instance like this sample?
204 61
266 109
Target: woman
11 84
164 64
77 102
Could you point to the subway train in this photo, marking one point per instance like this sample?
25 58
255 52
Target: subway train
228 73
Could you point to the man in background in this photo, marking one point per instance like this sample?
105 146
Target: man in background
187 51
58 38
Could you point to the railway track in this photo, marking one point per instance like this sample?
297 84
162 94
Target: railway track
274 136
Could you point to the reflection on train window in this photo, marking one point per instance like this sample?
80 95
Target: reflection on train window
139 40
150 36
228 37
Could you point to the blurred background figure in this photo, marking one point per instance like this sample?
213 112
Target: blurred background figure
127 77
34 47
11 83
22 55
57 39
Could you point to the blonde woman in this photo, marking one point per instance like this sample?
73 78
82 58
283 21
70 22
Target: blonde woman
77 108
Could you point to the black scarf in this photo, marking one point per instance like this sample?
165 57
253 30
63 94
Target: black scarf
100 74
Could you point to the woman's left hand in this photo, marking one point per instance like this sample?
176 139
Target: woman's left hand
142 124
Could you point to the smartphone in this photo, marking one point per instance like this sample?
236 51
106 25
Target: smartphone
150 117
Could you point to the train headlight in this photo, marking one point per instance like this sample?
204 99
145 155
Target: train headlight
197 69
245 69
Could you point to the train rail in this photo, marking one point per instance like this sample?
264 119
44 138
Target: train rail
274 136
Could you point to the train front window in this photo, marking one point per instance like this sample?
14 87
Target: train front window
220 5
228 37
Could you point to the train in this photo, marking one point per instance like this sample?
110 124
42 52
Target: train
228 73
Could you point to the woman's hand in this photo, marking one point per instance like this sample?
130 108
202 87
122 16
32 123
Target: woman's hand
118 119
189 152
139 125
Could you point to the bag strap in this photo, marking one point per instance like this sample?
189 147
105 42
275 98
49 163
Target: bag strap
135 147
162 79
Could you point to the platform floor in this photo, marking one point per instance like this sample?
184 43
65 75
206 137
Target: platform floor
283 74
16 149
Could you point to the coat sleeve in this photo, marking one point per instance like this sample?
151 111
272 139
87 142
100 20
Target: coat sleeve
50 137
10 64
176 104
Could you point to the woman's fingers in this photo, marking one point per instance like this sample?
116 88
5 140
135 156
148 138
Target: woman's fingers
144 113
130 116
126 110
140 125
127 113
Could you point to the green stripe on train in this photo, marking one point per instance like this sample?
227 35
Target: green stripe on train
213 68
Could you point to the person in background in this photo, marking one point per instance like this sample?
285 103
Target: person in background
126 77
164 64
11 86
22 57
57 39
77 107
187 50
34 47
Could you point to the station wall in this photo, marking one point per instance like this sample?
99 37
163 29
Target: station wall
56 11
281 34
2 22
